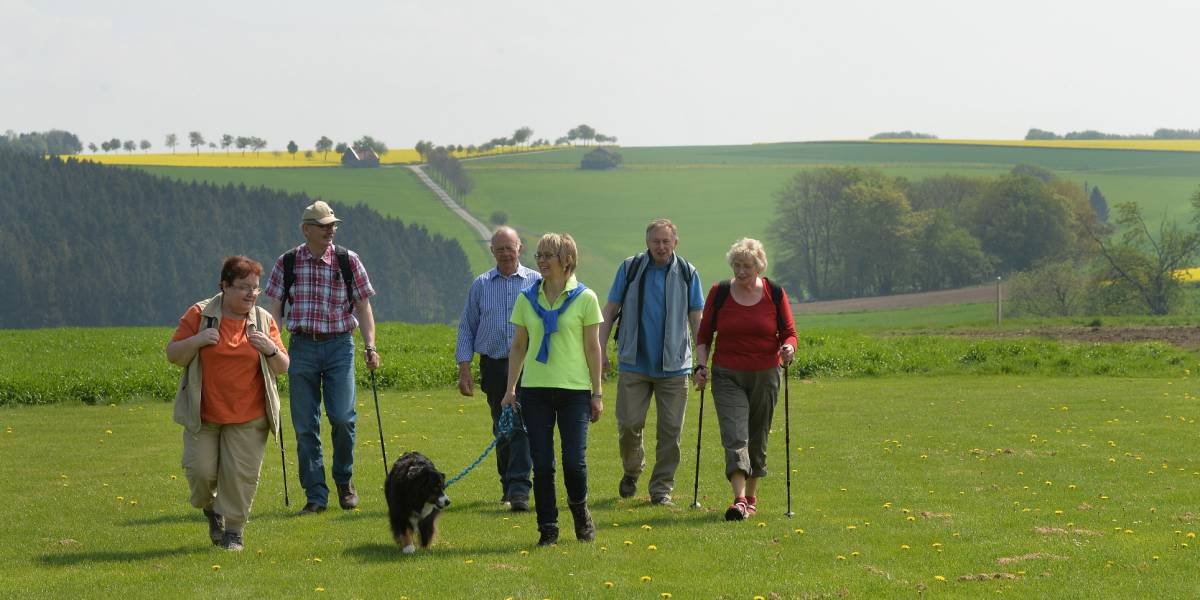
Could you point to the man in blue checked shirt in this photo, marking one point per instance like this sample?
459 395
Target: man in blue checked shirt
484 329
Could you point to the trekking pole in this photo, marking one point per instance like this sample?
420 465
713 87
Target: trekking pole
283 462
787 440
699 429
379 421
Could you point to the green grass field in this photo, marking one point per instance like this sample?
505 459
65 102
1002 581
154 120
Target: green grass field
1023 487
715 194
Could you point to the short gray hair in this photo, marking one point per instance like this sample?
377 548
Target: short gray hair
656 223
750 249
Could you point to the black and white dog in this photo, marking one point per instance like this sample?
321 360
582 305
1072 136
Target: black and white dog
416 495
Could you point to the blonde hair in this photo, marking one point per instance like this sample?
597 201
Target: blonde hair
563 246
748 248
656 223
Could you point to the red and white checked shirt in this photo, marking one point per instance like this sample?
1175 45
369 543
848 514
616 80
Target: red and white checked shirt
319 302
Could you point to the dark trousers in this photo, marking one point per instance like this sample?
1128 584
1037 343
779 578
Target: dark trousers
513 463
572 411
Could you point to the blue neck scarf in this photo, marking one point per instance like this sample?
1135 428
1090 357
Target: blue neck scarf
549 316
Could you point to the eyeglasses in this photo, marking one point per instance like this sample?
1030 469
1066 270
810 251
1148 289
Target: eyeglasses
504 249
327 227
545 255
245 289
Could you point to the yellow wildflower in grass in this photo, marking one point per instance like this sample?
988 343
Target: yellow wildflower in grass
904 546
645 579
840 557
647 527
652 547
319 590
628 542
216 567
665 595
524 553
608 585
799 531
939 577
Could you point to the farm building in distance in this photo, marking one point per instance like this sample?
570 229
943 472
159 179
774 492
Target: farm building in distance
365 157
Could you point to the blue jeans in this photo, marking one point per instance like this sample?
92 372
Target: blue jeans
572 410
512 455
325 366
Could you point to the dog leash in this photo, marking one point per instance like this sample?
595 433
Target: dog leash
504 430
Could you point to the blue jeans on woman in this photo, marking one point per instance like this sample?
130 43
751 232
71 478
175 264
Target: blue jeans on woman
572 410
322 366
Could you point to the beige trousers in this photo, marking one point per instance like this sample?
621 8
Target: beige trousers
222 463
633 403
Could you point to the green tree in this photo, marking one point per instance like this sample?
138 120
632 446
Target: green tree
1056 289
522 135
292 148
195 140
324 145
92 147
226 141
242 142
367 141
1099 204
1021 221
129 145
257 144
171 141
1145 263
947 256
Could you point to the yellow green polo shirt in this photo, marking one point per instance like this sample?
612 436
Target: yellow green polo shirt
567 366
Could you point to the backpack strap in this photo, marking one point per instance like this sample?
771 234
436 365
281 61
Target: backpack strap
210 322
719 300
632 264
343 259
289 274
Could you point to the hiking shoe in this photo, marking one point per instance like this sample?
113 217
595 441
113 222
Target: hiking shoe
232 541
216 526
519 504
585 528
312 508
549 535
751 506
663 500
347 497
628 486
736 511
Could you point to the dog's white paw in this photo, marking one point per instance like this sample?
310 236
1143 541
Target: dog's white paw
409 549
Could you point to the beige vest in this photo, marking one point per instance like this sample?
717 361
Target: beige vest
187 396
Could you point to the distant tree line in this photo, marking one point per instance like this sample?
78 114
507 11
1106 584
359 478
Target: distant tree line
446 170
903 135
845 232
41 143
92 245
1091 134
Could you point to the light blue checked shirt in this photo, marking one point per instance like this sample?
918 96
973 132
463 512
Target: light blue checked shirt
484 327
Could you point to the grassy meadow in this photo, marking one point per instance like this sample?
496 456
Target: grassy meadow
1025 487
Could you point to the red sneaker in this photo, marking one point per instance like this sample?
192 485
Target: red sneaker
737 510
751 505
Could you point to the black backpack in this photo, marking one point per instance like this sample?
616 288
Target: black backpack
631 270
776 297
343 259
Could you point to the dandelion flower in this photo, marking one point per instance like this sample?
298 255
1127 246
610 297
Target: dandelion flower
608 585
216 567
840 557
524 553
904 546
939 577
852 527
469 561
799 531
628 542
652 547
647 527
762 524
319 590
645 579
665 595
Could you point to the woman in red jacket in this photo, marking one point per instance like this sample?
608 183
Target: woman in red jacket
756 334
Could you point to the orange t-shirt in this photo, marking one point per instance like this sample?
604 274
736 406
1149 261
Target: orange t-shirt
232 389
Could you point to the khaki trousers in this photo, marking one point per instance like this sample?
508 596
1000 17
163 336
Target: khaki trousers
745 403
222 463
633 403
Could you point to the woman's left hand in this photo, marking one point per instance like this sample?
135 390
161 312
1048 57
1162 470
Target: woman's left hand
597 408
787 353
262 342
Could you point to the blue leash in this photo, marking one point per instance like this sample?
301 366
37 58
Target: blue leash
505 429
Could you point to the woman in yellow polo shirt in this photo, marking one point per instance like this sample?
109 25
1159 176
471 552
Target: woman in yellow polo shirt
557 345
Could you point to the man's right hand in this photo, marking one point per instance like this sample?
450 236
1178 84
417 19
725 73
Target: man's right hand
466 383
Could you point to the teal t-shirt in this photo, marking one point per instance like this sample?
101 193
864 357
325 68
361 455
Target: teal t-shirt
567 366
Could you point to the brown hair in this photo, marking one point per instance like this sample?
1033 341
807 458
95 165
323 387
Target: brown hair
237 267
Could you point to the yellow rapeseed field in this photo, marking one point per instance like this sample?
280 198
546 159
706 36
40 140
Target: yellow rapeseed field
1190 275
266 158
1163 145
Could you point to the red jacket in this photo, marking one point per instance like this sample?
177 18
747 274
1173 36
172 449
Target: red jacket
749 339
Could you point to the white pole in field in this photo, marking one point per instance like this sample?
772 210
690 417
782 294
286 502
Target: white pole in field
999 312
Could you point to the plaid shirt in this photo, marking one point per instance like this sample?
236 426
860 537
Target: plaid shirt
319 302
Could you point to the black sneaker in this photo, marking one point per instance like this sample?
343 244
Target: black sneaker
549 535
347 496
628 486
232 541
312 508
519 503
585 528
216 526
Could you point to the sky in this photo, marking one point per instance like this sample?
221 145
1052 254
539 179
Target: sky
651 73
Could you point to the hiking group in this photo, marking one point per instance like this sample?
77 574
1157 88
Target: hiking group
540 336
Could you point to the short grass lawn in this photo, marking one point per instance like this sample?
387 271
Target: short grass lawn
1014 487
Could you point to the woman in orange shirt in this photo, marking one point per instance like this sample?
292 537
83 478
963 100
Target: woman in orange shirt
227 400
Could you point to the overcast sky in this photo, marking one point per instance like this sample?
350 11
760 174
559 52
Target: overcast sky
649 72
